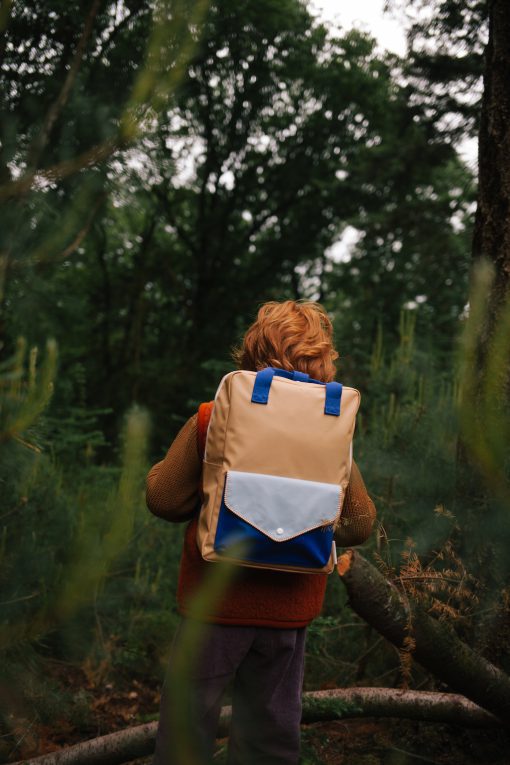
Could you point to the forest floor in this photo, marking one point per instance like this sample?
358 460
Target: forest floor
106 707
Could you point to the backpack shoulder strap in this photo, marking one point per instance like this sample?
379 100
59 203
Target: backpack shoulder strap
204 416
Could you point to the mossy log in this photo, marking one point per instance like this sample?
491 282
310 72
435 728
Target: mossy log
436 646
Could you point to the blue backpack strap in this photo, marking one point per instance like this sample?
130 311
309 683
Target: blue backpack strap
264 379
333 398
262 385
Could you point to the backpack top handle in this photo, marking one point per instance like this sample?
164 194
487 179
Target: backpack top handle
265 376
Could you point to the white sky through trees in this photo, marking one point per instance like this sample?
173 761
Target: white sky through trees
389 29
366 15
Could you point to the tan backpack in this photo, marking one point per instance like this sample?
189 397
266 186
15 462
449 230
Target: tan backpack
277 462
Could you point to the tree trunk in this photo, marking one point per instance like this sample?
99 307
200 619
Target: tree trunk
491 237
487 387
434 644
318 706
482 471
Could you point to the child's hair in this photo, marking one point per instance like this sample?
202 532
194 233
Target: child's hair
293 335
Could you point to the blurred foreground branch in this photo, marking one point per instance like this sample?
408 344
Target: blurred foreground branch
432 643
41 140
318 706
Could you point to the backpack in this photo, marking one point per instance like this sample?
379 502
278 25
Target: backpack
277 461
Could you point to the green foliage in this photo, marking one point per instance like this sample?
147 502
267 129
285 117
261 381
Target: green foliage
441 531
397 262
338 707
31 696
484 414
60 120
23 400
274 135
484 466
446 41
60 534
77 434
407 441
405 445
28 484
142 225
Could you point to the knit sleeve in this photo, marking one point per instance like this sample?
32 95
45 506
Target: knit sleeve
172 489
358 512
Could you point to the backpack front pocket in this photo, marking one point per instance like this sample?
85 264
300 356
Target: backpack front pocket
279 521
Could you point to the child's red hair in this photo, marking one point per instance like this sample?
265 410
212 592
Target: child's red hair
293 335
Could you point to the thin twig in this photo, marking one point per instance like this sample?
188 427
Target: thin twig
18 600
413 754
80 236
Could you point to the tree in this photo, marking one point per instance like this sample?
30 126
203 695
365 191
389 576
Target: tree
484 416
280 134
492 224
72 94
434 644
446 40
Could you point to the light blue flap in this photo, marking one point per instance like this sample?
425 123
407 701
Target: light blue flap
280 507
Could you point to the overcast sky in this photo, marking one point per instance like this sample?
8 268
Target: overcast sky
367 15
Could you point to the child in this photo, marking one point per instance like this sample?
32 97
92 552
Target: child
256 635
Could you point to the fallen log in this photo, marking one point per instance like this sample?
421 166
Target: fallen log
435 644
429 706
318 706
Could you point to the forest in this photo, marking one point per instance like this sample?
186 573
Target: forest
166 167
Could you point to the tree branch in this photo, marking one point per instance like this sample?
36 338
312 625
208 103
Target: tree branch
128 18
432 643
80 236
64 169
318 706
161 194
5 11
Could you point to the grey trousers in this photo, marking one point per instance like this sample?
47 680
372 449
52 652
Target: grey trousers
266 666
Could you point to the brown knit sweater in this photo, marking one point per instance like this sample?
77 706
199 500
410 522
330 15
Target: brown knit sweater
255 597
